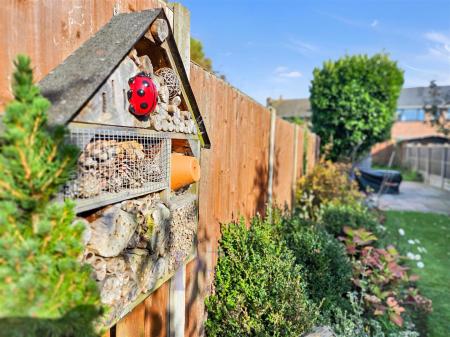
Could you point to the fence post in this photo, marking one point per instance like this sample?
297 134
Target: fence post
417 157
429 150
273 117
444 164
295 168
177 296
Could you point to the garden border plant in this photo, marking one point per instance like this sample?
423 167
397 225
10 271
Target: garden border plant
258 288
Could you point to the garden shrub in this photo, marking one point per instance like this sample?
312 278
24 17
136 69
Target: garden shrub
327 183
259 290
334 218
45 290
325 265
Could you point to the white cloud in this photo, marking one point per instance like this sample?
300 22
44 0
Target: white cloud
440 50
374 23
285 72
302 47
292 74
438 38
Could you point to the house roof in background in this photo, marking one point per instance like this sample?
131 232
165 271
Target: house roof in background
292 107
419 96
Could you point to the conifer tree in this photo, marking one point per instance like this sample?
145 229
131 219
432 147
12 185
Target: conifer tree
44 289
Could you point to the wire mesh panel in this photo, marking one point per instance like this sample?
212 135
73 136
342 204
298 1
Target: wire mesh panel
117 164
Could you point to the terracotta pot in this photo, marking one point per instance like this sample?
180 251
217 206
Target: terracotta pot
185 170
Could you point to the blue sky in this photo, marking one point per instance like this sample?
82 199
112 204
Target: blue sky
270 48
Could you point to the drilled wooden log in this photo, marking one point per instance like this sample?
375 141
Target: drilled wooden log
176 120
98 265
111 232
185 114
161 220
145 64
176 101
165 125
182 127
159 30
111 289
172 108
156 122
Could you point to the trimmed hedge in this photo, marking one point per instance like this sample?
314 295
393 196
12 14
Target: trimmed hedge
334 217
326 267
259 290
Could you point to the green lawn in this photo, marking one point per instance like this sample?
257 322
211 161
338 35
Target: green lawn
433 232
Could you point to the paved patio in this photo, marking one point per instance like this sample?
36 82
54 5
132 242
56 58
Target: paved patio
417 197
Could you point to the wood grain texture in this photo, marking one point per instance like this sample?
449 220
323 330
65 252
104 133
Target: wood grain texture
132 325
156 315
311 151
301 151
284 164
53 30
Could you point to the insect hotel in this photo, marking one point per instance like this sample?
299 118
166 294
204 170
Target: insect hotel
126 99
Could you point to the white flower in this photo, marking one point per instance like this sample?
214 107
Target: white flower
418 257
401 231
410 256
417 240
383 228
411 242
420 265
421 249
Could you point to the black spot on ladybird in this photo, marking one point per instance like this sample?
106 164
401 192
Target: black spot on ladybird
144 106
141 92
146 83
129 94
131 80
131 109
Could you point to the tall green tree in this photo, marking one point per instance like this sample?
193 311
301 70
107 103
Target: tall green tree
198 55
353 101
44 289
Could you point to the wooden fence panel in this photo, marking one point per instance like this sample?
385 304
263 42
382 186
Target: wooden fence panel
156 315
283 163
51 30
311 151
300 151
132 325
234 178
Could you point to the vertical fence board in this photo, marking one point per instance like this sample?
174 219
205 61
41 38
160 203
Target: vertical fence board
132 325
311 152
155 312
53 30
301 151
284 163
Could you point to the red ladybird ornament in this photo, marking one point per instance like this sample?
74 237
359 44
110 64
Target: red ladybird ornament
142 95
